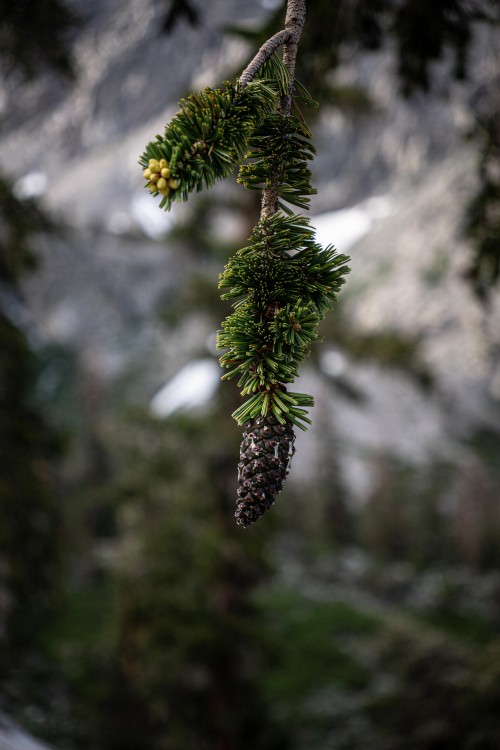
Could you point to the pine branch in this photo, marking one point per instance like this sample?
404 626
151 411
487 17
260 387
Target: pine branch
283 282
294 23
266 51
205 140
281 149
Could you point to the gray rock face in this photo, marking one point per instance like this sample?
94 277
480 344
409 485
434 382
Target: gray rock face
12 737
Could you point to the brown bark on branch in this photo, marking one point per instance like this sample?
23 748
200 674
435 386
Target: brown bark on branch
294 23
265 52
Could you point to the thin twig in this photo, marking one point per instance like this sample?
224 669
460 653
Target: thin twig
265 52
294 22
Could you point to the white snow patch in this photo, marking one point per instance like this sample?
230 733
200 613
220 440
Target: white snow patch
193 386
333 362
153 222
32 185
345 227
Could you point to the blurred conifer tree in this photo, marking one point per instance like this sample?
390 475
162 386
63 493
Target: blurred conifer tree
28 513
184 664
192 646
33 37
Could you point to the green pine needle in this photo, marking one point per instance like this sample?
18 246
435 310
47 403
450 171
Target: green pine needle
268 336
207 138
282 283
280 150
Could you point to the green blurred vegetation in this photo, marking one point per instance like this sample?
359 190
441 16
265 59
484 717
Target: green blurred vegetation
313 639
179 630
29 514
175 629
325 626
35 36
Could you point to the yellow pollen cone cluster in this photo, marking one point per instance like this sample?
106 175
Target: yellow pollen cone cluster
159 177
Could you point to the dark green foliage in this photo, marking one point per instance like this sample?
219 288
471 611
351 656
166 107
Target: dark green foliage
403 518
285 283
35 33
179 9
28 517
441 696
407 518
319 645
483 218
207 138
280 148
299 268
424 29
274 71
190 644
33 36
19 221
352 676
178 663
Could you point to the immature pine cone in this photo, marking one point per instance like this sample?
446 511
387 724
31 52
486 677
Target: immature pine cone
265 455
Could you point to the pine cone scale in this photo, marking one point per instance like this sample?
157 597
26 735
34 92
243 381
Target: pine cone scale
265 454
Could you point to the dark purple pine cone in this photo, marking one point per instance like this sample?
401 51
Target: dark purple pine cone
265 455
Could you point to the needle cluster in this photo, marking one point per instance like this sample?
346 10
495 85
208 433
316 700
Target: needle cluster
208 137
284 283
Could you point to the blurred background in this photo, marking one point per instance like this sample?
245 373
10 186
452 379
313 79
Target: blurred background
363 611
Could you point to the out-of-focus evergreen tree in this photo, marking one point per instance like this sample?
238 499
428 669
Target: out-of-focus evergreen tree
184 665
28 515
483 219
192 645
179 10
33 38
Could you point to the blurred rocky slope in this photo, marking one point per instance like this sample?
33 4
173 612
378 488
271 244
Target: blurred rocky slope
13 737
103 281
